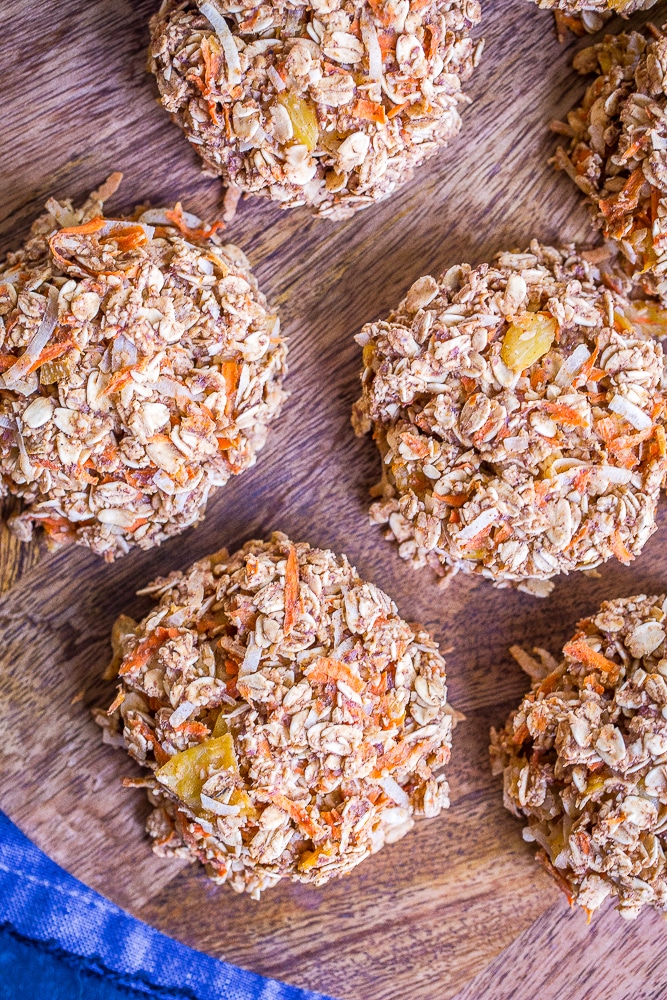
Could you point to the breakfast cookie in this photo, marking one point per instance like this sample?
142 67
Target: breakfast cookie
582 758
518 415
292 721
141 367
328 103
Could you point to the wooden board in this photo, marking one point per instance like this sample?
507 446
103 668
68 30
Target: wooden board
424 916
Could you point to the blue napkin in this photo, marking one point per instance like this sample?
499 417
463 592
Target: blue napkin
60 940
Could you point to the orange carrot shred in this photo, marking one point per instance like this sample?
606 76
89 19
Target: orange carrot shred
564 414
326 669
117 702
175 216
142 653
622 553
369 111
297 812
398 109
50 353
454 499
85 229
581 651
291 590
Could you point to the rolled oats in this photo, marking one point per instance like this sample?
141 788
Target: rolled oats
293 722
329 103
583 758
141 369
518 413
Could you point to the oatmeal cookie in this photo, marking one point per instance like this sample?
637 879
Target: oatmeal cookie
590 16
292 721
518 413
327 103
141 368
618 148
582 758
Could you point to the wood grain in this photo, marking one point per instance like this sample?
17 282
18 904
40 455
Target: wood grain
424 916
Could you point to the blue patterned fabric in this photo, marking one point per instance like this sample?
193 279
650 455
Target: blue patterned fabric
60 940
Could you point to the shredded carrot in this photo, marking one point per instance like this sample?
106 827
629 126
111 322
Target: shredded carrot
369 111
432 47
297 812
50 353
474 542
46 463
633 149
119 380
138 523
138 478
503 534
478 436
208 622
396 757
6 361
550 682
537 378
622 553
521 735
453 499
542 489
291 590
175 216
127 237
587 367
564 414
117 702
577 538
581 651
85 229
147 648
327 669
56 526
591 682
231 373
581 480
383 15
625 200
661 440
398 109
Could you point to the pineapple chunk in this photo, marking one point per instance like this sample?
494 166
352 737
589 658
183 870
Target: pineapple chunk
527 340
59 369
186 772
303 117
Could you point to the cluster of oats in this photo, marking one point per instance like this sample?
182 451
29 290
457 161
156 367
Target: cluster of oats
328 103
584 758
591 15
140 368
618 147
294 723
517 411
